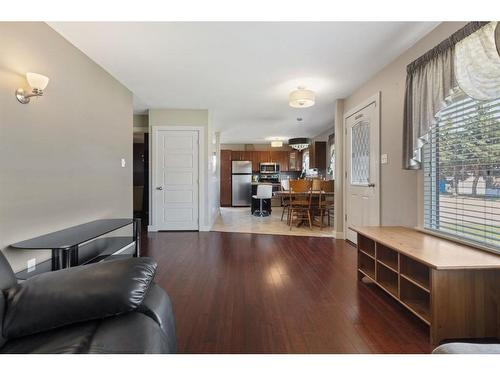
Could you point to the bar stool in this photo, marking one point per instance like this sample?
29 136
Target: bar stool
263 192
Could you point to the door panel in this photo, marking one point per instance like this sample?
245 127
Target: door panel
176 190
362 169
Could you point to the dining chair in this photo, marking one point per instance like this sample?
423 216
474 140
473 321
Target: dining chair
326 200
315 187
300 201
285 200
316 184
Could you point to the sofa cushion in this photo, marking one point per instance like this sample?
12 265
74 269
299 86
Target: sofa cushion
77 294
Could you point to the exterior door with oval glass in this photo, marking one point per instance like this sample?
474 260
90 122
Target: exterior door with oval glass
362 188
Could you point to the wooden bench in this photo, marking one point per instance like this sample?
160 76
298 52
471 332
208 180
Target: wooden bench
453 288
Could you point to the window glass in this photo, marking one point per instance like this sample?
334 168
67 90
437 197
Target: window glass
462 172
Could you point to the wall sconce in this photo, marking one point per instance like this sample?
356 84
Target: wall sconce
37 82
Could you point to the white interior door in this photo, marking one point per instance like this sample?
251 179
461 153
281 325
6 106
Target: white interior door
362 188
176 183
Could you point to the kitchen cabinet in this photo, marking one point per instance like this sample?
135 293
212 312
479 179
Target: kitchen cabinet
225 178
280 157
237 155
317 156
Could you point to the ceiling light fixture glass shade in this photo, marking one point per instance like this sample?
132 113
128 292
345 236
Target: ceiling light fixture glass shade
298 143
301 98
276 143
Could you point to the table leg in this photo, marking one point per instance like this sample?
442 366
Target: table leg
137 237
56 256
73 256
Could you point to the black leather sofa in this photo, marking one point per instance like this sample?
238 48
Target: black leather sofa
108 307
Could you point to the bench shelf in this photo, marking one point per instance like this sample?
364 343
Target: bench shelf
452 288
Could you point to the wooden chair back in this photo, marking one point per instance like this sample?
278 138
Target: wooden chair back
285 186
316 184
300 186
328 186
300 194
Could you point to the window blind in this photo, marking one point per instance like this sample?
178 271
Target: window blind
462 172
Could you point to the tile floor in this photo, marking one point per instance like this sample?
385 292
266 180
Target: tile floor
239 220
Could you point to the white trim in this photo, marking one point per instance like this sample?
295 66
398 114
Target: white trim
375 98
339 235
202 196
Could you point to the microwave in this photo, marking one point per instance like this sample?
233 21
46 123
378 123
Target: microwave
269 168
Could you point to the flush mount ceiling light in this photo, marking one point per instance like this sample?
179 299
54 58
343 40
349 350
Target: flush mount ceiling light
276 143
301 98
37 82
298 143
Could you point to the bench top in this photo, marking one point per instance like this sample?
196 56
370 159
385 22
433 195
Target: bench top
66 238
434 251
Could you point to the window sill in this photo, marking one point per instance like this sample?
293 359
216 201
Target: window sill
457 240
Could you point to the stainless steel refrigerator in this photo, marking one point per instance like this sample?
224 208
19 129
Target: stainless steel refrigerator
242 183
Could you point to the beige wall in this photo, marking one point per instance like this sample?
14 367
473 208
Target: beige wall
400 189
60 154
192 117
141 121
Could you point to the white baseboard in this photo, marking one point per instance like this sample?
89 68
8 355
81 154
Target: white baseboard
339 235
152 228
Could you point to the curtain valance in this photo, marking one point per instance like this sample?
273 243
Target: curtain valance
434 78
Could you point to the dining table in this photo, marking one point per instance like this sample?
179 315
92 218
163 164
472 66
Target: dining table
315 195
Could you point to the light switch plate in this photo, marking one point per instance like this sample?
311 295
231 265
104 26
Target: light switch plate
123 163
384 159
31 264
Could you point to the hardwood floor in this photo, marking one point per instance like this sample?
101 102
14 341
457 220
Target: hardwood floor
253 293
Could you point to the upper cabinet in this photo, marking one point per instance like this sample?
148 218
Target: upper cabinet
283 158
317 156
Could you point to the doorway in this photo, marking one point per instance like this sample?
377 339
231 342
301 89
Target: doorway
140 170
362 166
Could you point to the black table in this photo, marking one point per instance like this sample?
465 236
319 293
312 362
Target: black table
65 243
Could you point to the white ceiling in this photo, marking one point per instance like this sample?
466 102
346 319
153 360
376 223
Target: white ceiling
243 72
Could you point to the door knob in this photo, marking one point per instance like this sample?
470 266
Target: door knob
159 188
